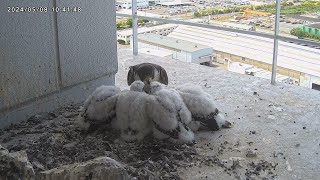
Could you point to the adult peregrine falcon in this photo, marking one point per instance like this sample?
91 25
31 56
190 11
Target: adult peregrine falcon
147 72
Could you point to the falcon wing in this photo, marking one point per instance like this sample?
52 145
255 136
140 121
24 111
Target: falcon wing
163 76
130 77
173 133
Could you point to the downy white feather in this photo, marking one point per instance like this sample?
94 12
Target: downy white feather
169 115
132 119
202 106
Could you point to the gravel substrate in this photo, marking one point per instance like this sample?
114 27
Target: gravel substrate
52 139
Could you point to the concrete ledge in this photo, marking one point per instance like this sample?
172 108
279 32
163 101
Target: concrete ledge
280 122
71 95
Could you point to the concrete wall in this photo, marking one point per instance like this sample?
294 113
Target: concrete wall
145 45
203 52
307 80
182 56
48 57
284 71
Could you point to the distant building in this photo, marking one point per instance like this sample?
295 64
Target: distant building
174 3
127 4
162 1
164 30
248 69
238 26
312 28
301 64
181 50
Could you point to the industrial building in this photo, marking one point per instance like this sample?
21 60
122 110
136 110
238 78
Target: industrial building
238 26
301 64
164 30
248 69
173 3
127 4
180 49
301 67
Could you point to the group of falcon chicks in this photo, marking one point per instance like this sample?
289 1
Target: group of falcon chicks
152 107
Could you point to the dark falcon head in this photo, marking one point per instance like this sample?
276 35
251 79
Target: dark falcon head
147 72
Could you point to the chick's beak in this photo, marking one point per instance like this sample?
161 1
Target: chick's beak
147 85
147 89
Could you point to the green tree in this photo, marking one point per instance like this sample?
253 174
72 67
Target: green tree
145 20
120 41
129 22
227 10
215 10
140 21
210 11
197 14
238 9
297 32
259 7
119 24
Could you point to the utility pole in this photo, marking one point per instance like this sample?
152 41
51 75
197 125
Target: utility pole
134 27
275 44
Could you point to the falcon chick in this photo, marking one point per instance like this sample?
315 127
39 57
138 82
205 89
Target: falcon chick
132 119
169 115
202 107
99 108
147 72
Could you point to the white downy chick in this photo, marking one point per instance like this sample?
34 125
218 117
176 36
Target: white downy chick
202 108
169 115
99 108
132 119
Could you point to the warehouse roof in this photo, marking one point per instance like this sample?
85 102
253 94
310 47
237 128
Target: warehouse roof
172 43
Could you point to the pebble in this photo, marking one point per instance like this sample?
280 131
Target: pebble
251 153
38 165
271 117
69 114
236 158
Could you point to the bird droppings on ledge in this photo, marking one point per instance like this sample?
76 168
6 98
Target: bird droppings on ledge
251 153
235 96
52 140
277 156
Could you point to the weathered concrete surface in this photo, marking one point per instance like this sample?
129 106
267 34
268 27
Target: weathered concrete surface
53 63
15 165
101 168
73 95
281 122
